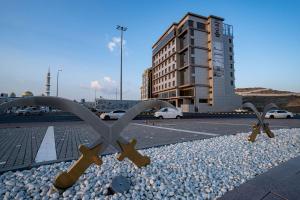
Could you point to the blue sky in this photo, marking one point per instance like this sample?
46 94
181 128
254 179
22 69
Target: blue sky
74 36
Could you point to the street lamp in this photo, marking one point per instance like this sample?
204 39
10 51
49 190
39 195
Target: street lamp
121 28
59 70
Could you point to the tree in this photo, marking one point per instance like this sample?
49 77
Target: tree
12 95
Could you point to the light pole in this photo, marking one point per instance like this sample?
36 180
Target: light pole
121 28
59 70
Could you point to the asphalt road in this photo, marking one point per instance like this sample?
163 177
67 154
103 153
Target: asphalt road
20 142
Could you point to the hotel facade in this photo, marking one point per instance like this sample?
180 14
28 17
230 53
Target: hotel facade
193 66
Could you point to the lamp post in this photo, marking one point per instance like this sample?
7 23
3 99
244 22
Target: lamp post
60 70
121 28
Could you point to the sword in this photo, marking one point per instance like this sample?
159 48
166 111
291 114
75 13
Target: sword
107 134
256 128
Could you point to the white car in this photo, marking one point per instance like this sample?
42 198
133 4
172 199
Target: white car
29 111
279 114
168 113
116 114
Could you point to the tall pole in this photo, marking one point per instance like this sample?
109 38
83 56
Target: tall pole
57 81
121 28
121 92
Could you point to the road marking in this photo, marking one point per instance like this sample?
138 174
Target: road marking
234 124
179 130
47 149
2 163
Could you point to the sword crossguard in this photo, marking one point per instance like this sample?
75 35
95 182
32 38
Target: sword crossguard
255 132
268 131
129 151
65 180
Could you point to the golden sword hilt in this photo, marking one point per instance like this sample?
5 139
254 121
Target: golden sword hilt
129 151
268 131
255 132
65 180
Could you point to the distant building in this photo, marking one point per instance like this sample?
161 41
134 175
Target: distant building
193 65
3 95
27 94
48 77
146 88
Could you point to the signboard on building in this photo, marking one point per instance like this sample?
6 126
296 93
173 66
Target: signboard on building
218 59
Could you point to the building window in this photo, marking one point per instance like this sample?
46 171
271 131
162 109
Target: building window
173 58
200 26
230 49
192 32
190 23
229 40
231 74
192 60
173 74
203 100
192 41
173 83
192 50
173 42
173 66
173 50
231 82
230 57
231 66
169 84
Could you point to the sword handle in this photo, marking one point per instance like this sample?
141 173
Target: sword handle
268 131
129 151
255 132
65 180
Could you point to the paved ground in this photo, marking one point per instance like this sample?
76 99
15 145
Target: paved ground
279 183
19 143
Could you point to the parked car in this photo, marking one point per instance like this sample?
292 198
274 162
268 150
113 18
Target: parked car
240 110
279 114
29 111
116 114
168 113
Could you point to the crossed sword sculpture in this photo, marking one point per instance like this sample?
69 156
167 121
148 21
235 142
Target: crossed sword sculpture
107 134
256 128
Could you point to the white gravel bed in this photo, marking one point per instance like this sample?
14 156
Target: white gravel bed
203 169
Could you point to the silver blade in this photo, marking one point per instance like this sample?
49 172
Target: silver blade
102 129
253 108
119 125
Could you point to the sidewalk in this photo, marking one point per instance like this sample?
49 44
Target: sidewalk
281 182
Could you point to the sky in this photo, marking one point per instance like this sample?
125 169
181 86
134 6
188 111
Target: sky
80 37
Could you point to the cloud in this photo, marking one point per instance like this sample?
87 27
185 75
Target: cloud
109 80
115 41
96 85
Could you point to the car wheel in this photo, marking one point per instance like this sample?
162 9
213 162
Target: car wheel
272 116
160 117
107 118
288 117
178 117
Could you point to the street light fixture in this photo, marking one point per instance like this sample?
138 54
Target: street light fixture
122 29
59 70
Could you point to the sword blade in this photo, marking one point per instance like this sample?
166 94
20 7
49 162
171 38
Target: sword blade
253 108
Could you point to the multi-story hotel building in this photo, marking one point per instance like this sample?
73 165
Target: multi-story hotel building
193 65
